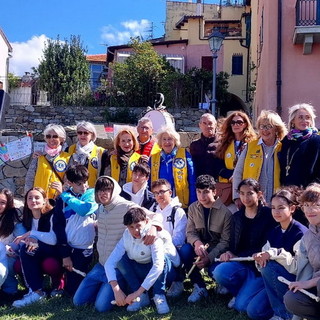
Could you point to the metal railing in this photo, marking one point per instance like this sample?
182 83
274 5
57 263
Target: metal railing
308 13
110 96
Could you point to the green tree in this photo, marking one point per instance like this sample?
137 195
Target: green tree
187 90
64 71
139 77
223 96
14 81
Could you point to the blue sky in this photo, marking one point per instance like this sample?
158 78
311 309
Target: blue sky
28 23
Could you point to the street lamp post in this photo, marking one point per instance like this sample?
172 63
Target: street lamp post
215 42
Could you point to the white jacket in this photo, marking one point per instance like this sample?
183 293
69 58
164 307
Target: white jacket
178 233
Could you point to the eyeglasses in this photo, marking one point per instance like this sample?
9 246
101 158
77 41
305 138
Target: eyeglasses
266 127
160 193
86 133
53 136
238 122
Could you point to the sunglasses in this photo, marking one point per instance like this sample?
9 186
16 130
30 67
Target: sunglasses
86 133
52 136
238 122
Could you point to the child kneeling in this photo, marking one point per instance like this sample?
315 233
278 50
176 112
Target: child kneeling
143 266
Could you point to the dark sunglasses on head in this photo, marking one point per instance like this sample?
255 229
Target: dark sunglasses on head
238 122
53 136
86 133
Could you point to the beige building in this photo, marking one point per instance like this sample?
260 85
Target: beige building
195 21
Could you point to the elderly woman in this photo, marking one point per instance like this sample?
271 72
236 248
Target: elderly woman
259 160
300 154
47 170
119 164
174 164
85 152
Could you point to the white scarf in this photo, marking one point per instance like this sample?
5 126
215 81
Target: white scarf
82 153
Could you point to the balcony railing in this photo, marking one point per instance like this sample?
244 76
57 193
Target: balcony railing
307 12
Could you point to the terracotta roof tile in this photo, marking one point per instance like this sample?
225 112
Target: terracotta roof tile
96 57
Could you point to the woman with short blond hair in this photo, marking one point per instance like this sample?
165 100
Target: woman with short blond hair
174 164
48 170
300 154
259 160
85 152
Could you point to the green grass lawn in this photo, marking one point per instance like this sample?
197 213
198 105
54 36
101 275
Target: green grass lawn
214 307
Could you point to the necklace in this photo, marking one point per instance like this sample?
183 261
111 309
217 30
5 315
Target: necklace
288 166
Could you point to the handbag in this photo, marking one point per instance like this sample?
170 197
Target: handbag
224 192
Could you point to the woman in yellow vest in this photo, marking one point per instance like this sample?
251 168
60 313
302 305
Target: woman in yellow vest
259 160
48 169
236 131
174 164
86 152
119 164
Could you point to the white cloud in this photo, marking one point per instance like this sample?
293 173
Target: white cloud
132 28
27 54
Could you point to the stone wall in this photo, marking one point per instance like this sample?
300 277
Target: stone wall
35 118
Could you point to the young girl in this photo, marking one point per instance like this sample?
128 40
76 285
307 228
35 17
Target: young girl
250 226
118 165
306 263
289 231
10 228
38 243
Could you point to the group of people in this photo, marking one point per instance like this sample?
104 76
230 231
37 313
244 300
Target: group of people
244 205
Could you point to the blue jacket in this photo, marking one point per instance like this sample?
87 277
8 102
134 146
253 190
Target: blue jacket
287 239
166 172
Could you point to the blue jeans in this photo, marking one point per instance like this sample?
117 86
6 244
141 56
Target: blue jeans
135 273
96 289
10 285
31 263
241 281
276 289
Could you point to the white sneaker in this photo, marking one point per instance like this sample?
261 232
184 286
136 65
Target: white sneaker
137 305
161 303
29 298
231 303
197 293
175 289
276 318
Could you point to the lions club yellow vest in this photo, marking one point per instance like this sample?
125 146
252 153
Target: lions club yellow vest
93 164
229 158
180 174
254 160
45 175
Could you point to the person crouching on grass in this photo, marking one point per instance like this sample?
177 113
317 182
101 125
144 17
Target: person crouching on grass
143 266
137 191
174 221
95 287
209 221
306 262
